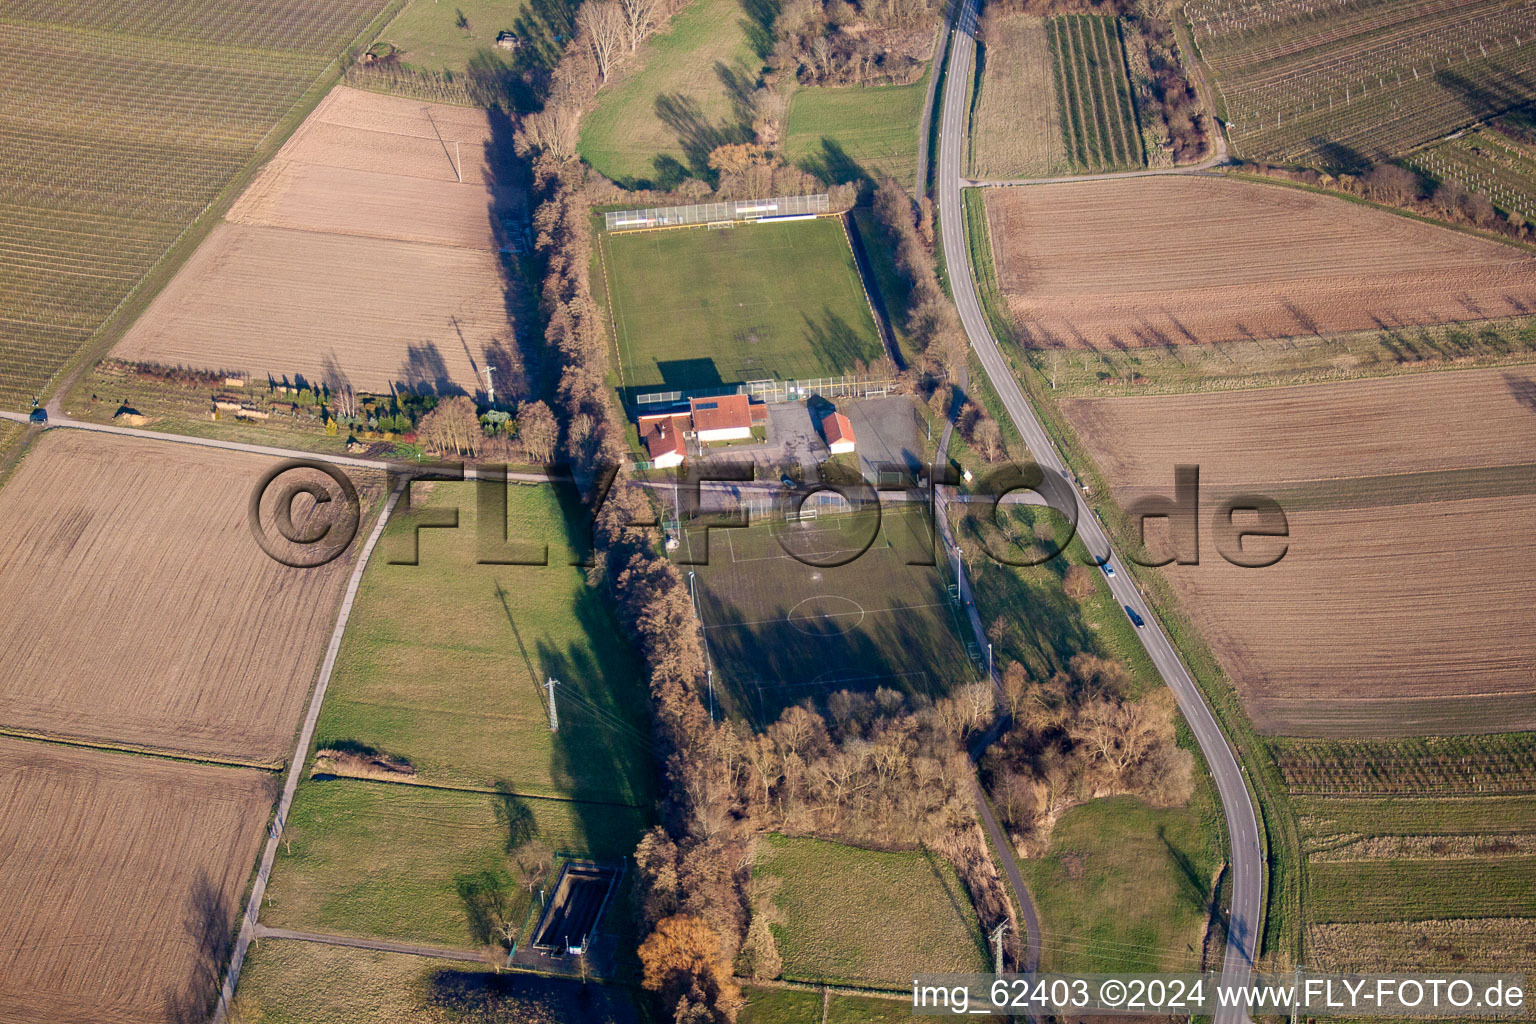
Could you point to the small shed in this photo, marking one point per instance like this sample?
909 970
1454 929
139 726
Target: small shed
506 40
839 433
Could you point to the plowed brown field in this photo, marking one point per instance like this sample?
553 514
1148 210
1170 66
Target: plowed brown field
140 611
122 880
357 253
1403 605
1394 620
1453 420
1175 261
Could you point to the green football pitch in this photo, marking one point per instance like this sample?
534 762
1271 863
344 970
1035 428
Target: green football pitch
796 610
700 307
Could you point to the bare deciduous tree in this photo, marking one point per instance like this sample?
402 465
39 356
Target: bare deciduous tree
537 431
604 27
641 18
453 428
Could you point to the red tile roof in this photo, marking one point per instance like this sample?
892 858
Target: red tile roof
663 435
726 412
838 428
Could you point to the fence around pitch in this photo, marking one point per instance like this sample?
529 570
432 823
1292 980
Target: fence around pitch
717 213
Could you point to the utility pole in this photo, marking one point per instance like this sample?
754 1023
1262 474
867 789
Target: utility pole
997 947
989 659
554 715
490 385
1296 998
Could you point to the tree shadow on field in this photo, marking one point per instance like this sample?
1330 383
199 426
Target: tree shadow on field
208 928
833 166
1337 158
514 816
1523 389
1192 887
696 135
758 25
836 343
1499 91
425 372
516 352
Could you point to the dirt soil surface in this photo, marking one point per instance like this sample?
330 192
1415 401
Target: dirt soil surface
357 255
1449 420
140 610
1172 261
1403 604
122 881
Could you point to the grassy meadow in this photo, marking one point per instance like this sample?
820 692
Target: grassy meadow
680 96
451 35
1044 625
696 308
855 133
1125 887
1016 129
306 983
402 862
443 662
867 917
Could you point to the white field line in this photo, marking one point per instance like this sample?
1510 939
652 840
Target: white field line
296 766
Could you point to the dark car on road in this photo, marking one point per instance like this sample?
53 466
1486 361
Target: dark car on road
1135 617
39 415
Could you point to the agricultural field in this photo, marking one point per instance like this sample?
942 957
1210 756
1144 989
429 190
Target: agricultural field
369 858
1336 605
1127 887
444 662
780 630
864 916
697 308
1093 94
99 844
123 121
367 181
1341 83
1017 129
141 611
854 133
1213 260
682 95
1478 418
1419 851
307 983
1437 766
1475 944
1498 160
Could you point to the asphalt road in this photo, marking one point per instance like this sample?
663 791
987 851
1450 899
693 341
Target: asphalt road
1242 823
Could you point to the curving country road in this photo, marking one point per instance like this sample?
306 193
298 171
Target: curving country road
1236 804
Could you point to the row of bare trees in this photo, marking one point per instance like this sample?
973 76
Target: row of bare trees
612 30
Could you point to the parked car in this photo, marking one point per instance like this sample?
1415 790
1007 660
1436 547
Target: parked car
788 482
1137 619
